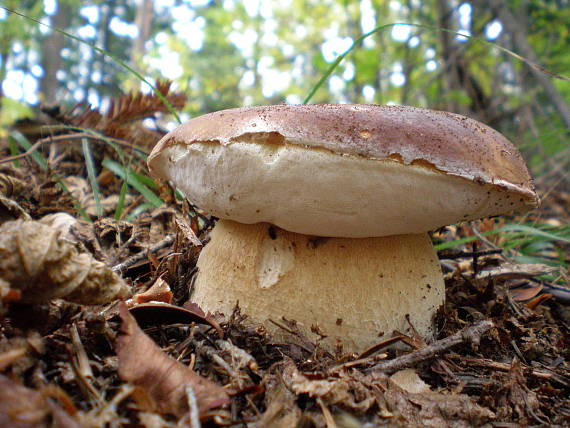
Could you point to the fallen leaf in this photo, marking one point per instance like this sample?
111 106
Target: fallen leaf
332 391
282 411
432 409
515 271
186 229
158 292
22 407
37 262
409 381
156 313
142 363
524 290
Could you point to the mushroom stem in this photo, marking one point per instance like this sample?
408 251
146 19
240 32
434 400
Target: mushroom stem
353 289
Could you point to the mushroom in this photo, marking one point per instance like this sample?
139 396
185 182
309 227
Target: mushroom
324 209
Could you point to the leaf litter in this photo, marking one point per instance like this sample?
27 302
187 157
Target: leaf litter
501 356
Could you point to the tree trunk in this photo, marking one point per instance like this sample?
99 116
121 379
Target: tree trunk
449 55
51 53
143 21
521 44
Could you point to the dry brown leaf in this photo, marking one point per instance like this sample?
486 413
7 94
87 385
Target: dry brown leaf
515 271
39 264
282 411
521 290
409 381
63 222
122 119
164 379
158 292
360 393
332 391
21 407
186 228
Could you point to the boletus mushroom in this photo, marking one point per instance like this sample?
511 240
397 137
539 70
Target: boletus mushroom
324 209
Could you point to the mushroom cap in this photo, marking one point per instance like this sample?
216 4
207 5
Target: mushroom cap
344 170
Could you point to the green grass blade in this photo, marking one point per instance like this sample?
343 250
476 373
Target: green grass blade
92 175
146 180
455 243
534 232
122 198
24 143
515 231
13 146
128 175
139 210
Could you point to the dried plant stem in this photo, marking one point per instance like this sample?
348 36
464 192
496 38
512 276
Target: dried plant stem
470 334
121 267
544 374
63 138
193 406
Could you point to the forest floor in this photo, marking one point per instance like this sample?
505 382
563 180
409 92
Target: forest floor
501 357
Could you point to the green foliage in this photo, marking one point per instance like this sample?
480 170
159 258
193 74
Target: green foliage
528 242
133 179
92 175
12 110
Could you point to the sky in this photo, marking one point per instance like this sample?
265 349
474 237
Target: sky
24 86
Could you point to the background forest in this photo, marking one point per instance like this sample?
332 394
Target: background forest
78 117
224 54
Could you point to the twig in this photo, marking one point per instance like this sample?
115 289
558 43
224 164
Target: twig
451 255
81 367
60 138
470 334
10 356
329 419
193 407
121 267
545 374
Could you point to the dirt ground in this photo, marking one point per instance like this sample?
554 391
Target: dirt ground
82 344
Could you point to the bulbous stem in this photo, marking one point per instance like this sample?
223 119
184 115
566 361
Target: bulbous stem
353 289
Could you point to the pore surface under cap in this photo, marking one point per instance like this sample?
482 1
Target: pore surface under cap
346 170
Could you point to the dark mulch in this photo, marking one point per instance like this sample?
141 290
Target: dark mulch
509 367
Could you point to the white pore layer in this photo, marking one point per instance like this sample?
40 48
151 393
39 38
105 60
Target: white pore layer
317 192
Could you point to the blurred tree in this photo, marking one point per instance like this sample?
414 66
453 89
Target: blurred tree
51 51
18 40
232 53
143 23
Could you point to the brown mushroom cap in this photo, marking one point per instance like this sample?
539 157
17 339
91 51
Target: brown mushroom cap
443 152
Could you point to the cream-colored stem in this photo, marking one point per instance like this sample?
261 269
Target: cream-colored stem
353 289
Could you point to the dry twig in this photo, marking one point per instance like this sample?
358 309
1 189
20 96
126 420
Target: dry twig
68 138
122 267
470 334
544 374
